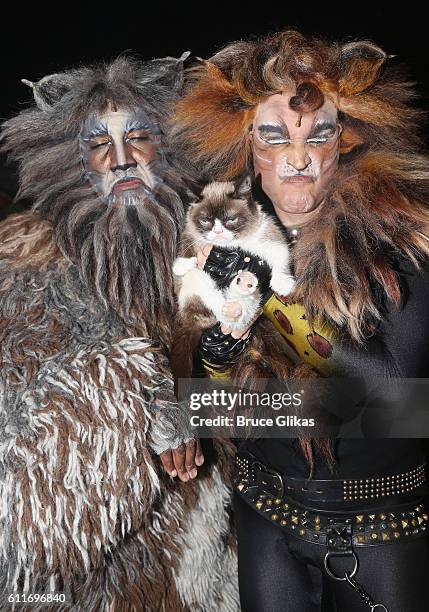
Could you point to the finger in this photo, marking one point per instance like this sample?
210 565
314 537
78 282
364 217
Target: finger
202 255
191 468
167 462
199 455
201 259
206 249
179 462
242 333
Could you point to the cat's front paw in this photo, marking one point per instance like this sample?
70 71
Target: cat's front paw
232 309
183 265
282 283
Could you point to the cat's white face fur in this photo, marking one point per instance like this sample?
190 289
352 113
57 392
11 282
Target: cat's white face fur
224 214
219 234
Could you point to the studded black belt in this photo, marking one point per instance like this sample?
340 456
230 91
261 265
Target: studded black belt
267 491
251 472
342 532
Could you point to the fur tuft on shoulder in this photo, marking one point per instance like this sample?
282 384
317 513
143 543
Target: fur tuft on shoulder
376 211
26 240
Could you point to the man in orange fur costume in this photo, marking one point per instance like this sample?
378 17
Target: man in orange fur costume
329 134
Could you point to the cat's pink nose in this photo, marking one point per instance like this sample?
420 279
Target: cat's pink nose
219 231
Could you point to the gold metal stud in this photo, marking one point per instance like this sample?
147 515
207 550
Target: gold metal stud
274 517
259 505
295 520
277 501
302 532
385 536
283 523
396 535
404 524
360 518
361 539
374 536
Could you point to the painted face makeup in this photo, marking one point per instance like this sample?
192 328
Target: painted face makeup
296 155
119 153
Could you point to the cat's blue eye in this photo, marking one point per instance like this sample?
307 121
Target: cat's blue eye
232 221
205 222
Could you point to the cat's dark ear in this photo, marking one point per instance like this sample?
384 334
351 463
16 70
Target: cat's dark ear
243 188
194 194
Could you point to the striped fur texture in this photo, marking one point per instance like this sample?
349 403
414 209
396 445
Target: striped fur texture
85 508
86 391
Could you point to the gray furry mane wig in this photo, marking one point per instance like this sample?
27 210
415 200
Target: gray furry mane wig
124 253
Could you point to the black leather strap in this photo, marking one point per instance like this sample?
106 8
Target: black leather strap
311 490
219 349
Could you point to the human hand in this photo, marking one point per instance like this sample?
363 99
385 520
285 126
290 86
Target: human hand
241 333
202 255
183 460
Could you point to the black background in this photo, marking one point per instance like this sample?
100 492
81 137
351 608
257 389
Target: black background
70 34
46 41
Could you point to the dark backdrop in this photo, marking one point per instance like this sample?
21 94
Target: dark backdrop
36 44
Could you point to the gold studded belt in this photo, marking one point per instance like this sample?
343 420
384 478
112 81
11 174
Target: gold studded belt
265 489
250 471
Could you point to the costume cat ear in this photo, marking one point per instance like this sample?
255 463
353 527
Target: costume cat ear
166 71
244 188
49 90
360 63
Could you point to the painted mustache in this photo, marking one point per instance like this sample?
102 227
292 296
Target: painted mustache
290 174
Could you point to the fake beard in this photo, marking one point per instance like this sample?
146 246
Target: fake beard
125 249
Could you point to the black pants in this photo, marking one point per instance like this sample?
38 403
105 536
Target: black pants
282 573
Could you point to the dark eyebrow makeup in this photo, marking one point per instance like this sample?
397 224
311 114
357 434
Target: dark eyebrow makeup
274 128
96 131
325 126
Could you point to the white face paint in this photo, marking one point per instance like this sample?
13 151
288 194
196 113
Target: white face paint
119 151
295 155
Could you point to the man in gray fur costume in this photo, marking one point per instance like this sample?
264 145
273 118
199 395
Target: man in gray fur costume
87 514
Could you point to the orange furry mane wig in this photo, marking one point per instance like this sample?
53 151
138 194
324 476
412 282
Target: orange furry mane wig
377 206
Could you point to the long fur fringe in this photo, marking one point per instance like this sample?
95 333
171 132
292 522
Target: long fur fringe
86 307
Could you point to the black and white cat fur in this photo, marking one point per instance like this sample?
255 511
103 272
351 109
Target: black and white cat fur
227 216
